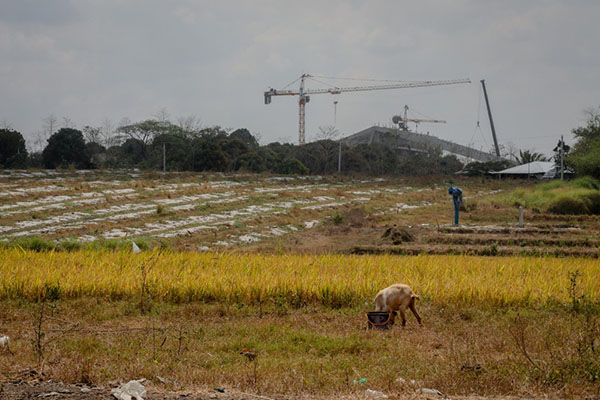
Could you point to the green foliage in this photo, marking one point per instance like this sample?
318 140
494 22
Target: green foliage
13 153
35 243
70 245
245 136
250 161
65 148
291 165
586 182
581 196
527 156
585 156
478 168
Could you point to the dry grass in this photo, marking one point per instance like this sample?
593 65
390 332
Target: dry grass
308 351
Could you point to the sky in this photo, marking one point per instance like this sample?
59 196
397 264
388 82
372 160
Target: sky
92 61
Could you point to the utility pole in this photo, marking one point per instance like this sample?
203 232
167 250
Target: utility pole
340 158
487 103
164 158
562 157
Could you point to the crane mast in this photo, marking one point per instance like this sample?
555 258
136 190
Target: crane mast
489 110
303 94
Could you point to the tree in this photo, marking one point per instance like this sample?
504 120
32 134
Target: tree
245 136
131 153
143 131
190 123
49 125
66 147
92 134
176 151
13 153
233 148
585 156
328 132
250 161
561 146
207 154
527 156
292 165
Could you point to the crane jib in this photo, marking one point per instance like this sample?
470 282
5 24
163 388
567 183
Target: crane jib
302 92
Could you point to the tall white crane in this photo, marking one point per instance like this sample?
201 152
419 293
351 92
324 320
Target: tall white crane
303 94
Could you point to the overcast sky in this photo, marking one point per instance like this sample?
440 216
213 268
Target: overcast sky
93 60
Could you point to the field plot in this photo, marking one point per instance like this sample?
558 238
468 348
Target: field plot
192 211
286 267
503 325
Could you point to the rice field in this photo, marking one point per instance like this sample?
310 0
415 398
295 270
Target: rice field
331 280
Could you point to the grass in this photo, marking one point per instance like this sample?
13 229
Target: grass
307 352
581 196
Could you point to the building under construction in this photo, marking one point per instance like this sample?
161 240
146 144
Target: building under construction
405 140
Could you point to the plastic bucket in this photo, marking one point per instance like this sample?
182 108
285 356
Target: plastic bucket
378 320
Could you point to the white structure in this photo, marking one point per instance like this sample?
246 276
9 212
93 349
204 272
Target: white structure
537 169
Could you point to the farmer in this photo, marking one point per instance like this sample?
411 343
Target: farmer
457 198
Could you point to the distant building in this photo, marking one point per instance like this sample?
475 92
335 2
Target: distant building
535 169
416 143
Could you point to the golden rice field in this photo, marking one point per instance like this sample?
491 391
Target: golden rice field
330 280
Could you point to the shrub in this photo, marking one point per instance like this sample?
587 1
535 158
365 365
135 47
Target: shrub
567 205
586 182
36 244
70 245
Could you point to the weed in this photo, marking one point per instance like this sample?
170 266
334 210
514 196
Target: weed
36 244
70 245
338 219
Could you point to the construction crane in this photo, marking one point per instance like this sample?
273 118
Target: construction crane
403 121
303 94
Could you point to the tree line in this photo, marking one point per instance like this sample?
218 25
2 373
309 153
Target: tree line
158 144
186 146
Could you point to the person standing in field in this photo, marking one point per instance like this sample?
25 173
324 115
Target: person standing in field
457 198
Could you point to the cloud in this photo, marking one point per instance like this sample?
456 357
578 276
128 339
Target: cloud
90 60
55 12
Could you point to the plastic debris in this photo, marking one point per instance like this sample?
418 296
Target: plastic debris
135 248
220 390
361 380
375 394
401 380
130 390
251 356
415 383
434 392
4 341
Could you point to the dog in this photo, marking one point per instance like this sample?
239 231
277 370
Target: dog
396 299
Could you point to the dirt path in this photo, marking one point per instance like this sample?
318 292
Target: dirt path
58 391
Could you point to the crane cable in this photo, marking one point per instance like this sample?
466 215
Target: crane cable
361 79
321 82
291 83
478 125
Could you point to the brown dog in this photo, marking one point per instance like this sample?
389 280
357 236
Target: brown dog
396 299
